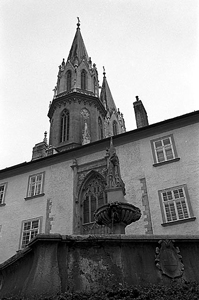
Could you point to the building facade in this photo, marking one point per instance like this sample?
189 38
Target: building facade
60 189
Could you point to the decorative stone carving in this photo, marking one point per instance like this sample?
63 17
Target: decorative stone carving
114 179
81 176
116 214
86 138
168 259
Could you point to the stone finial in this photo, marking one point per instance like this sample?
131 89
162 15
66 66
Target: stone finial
45 137
137 98
55 91
90 62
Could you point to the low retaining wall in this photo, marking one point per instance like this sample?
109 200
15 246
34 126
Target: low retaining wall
53 263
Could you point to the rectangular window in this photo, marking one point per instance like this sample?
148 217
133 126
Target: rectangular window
175 204
30 229
2 193
35 186
164 149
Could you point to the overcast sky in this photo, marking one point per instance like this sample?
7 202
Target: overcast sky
149 48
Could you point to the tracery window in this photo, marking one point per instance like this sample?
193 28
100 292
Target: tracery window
64 130
83 80
100 127
115 129
68 80
93 196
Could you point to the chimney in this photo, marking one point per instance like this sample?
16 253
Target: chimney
140 113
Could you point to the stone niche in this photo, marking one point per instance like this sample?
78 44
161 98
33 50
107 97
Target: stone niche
54 263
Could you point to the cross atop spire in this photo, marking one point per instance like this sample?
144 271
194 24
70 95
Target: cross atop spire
104 72
78 22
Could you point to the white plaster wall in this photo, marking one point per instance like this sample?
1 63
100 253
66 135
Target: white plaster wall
184 171
58 187
59 190
136 162
15 211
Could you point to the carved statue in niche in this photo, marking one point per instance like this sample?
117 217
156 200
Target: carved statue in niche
168 259
114 179
86 138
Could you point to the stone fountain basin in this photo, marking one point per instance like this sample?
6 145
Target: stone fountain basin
117 212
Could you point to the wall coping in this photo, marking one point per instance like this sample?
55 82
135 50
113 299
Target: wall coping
95 239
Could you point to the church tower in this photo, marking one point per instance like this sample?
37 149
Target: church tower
79 114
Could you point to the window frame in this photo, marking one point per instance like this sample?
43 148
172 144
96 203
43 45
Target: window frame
100 127
40 219
4 184
83 79
28 195
64 125
115 128
68 80
173 148
174 201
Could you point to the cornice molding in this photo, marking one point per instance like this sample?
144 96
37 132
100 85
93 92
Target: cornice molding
102 145
86 97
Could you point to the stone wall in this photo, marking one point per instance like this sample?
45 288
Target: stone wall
55 263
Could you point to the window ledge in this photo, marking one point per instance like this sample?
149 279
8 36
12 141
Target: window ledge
166 162
179 221
32 197
2 204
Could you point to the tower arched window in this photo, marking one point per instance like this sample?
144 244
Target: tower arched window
83 80
68 80
100 127
115 128
64 126
93 196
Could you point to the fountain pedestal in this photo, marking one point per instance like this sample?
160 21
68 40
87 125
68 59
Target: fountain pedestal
115 195
117 213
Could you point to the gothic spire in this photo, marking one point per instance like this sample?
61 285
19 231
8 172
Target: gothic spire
106 96
78 50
